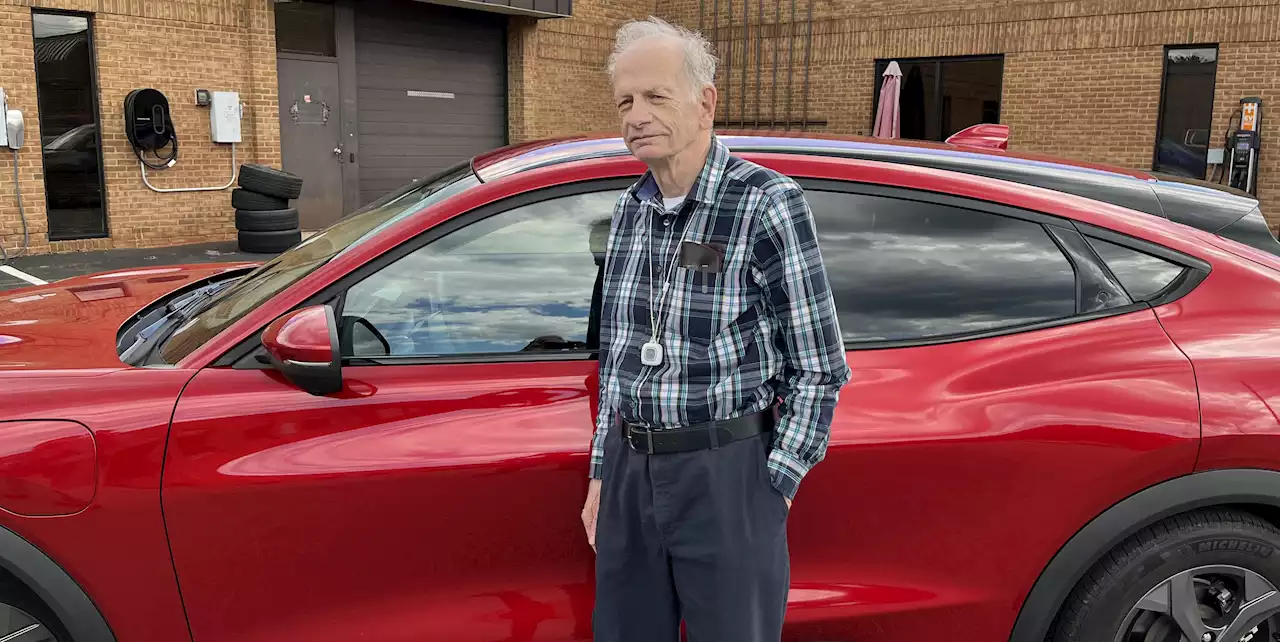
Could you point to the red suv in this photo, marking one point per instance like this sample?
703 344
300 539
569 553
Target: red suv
1062 421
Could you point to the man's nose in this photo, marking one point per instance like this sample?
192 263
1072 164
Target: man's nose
639 115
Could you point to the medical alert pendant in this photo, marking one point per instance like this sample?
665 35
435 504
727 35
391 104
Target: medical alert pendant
651 353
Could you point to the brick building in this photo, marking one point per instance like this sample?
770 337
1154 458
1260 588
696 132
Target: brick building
174 46
1099 80
361 96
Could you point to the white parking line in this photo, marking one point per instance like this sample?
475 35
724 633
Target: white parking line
12 271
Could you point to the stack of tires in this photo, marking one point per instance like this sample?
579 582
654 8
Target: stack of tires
264 221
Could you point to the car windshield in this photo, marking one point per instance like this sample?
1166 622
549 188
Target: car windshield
288 268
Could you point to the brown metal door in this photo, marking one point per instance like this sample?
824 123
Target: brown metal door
431 88
310 137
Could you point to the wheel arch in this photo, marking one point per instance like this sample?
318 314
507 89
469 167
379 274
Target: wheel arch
55 587
1238 487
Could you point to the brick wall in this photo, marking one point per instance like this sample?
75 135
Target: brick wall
175 46
557 80
17 77
1082 77
1096 104
1253 69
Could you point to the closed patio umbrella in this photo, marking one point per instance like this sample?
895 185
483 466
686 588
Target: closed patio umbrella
887 110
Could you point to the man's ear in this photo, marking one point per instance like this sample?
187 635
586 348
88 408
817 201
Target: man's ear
707 106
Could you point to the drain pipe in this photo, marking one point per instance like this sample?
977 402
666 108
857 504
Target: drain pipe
167 190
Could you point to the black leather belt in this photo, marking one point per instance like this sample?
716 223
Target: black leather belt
699 436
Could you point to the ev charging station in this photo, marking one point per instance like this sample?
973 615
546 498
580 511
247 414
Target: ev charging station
150 130
13 135
1246 143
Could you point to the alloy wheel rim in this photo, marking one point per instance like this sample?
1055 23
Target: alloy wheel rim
1217 603
16 625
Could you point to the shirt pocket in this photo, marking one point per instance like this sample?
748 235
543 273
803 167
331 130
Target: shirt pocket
712 300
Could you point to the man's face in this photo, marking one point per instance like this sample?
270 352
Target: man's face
660 115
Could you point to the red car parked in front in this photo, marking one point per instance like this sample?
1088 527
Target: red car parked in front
1062 422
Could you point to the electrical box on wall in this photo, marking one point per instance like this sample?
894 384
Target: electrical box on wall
224 117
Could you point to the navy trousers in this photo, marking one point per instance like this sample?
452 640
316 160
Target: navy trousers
697 536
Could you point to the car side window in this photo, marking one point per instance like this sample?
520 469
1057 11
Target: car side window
519 281
906 270
1099 290
1141 274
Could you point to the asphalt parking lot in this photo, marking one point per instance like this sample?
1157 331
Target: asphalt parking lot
47 268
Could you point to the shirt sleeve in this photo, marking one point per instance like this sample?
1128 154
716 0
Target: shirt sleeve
789 268
604 417
608 376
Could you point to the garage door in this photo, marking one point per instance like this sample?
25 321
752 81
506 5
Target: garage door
431 86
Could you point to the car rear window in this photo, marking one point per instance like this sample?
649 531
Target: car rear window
1142 275
906 270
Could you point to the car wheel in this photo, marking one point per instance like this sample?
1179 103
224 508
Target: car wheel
267 220
243 199
1207 576
23 618
270 181
269 242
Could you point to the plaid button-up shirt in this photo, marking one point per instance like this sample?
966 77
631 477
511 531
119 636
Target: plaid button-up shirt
762 327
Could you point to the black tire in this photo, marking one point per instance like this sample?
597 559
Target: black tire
243 199
1102 603
270 181
269 242
267 220
16 596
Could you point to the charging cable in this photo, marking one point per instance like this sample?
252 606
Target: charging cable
166 161
1215 176
22 213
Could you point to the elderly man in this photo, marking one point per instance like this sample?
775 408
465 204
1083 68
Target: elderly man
720 364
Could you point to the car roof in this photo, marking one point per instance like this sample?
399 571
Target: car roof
1201 204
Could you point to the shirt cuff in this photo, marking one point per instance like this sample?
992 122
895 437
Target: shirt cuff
786 471
596 470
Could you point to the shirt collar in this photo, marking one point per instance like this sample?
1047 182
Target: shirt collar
705 187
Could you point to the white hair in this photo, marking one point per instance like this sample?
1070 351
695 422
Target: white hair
699 62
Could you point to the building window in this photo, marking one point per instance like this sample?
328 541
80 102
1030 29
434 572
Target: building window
67 99
1186 110
941 96
306 28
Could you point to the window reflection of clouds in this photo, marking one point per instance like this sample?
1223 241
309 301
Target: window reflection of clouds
497 284
903 269
1141 274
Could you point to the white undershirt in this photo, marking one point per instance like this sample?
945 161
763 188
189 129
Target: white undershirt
672 203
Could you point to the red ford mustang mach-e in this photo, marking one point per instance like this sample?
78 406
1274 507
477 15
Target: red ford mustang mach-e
1062 421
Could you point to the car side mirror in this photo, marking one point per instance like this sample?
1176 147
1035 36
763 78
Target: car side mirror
303 346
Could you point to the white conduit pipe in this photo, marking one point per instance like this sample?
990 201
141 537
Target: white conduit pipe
234 171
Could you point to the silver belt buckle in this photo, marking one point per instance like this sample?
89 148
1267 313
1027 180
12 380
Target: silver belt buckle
631 440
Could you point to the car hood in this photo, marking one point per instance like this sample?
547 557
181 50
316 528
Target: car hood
73 323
